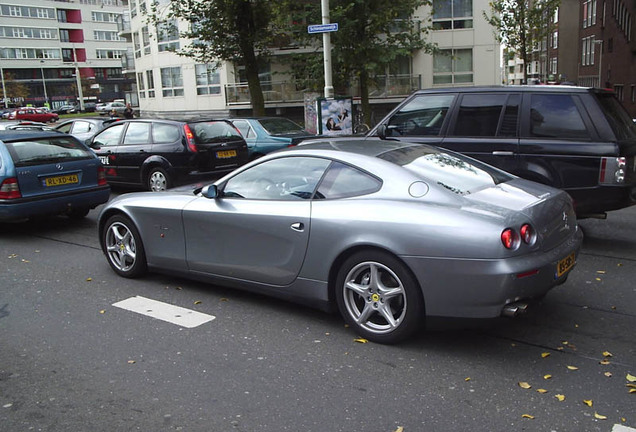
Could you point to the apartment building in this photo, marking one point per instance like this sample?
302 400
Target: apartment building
61 50
170 85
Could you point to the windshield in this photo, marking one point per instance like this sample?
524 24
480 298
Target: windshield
277 126
618 118
47 150
454 172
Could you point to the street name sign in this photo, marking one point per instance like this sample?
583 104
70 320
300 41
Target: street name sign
322 28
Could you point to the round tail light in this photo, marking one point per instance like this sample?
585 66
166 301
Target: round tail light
510 238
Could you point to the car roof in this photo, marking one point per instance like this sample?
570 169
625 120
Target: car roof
515 88
18 135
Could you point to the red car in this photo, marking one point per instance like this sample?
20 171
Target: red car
34 114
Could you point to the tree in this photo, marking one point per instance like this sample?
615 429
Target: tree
521 24
15 90
237 31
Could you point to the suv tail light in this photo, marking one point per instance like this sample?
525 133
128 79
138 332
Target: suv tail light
10 189
612 170
190 139
101 176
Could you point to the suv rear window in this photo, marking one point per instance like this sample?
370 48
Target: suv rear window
619 120
556 116
47 150
210 132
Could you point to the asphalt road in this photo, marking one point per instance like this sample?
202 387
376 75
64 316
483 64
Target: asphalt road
70 361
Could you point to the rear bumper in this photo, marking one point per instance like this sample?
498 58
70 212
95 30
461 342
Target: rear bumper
52 204
474 288
602 198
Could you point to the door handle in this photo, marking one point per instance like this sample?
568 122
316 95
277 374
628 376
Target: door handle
298 226
503 153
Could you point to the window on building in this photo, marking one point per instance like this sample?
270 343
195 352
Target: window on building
67 55
587 53
452 14
47 34
555 18
145 38
106 35
453 66
108 54
553 65
136 45
618 89
208 80
555 39
61 15
150 80
29 53
64 35
168 36
140 85
15 11
171 82
133 8
589 13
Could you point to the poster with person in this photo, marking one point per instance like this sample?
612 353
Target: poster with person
335 116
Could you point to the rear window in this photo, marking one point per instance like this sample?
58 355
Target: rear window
47 150
556 116
618 118
451 171
210 132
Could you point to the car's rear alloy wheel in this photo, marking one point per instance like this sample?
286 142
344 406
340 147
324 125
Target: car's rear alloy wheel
379 297
123 247
158 180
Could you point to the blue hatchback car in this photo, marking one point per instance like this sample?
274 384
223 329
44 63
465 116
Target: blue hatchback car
46 173
267 134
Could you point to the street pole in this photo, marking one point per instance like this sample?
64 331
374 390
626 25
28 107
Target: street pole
326 47
46 96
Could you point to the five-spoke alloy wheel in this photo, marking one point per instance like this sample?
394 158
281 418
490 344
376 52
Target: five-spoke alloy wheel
379 297
123 247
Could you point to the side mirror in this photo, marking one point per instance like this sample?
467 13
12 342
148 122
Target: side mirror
381 131
210 191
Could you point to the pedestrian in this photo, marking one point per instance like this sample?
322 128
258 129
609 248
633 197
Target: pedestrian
129 112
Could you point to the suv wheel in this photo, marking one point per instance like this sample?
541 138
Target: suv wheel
158 180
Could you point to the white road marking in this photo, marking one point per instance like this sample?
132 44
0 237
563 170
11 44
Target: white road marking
621 428
164 311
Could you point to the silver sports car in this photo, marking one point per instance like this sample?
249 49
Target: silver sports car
390 232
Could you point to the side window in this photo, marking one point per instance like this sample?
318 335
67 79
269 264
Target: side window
479 115
65 128
110 136
423 116
290 178
244 128
556 116
137 133
81 127
165 133
342 181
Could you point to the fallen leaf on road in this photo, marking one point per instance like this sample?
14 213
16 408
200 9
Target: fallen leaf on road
548 376
607 354
102 311
528 416
542 391
608 374
524 385
399 429
600 417
604 362
197 302
89 279
632 391
545 354
588 402
467 379
631 378
600 271
131 362
560 397
360 340
223 299
631 385
573 368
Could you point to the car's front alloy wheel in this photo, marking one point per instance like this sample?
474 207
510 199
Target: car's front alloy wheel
379 297
123 247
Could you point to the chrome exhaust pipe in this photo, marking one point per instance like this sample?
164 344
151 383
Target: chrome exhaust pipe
511 310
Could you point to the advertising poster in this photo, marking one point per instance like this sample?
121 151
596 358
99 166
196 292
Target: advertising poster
335 116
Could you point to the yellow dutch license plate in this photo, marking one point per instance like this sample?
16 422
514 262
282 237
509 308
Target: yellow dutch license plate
226 154
61 180
565 264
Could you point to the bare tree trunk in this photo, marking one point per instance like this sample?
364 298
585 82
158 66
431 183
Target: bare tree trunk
364 96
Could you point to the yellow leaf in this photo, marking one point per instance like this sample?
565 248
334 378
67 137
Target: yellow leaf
604 362
600 271
89 279
102 311
607 354
542 391
197 302
632 391
528 416
573 368
548 376
600 417
631 378
545 354
588 402
131 362
399 429
560 397
560 348
631 385
565 342
524 385
360 340
223 299
608 374
598 279
467 379
623 419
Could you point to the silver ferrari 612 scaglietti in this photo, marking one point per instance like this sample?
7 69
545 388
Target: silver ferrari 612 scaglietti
390 232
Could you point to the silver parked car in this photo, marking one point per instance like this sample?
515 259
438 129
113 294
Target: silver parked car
390 232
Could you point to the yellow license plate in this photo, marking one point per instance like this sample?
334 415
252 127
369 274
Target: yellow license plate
61 180
565 264
226 154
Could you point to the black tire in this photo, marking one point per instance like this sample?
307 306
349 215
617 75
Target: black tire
366 301
158 180
78 212
123 247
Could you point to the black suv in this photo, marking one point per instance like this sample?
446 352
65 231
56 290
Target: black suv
158 154
574 138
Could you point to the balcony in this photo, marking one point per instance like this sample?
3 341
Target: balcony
123 25
128 62
383 87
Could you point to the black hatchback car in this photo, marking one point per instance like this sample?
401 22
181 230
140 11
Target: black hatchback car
574 138
158 154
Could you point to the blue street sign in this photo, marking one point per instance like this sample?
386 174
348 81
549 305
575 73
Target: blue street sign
322 28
